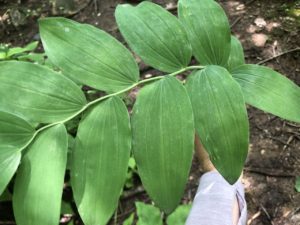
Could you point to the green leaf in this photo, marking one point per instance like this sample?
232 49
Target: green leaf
31 46
14 51
148 214
236 57
40 178
38 93
100 160
208 30
155 35
14 130
3 51
9 160
2 55
132 163
179 216
88 55
71 146
221 119
132 170
129 220
33 57
297 184
269 91
163 133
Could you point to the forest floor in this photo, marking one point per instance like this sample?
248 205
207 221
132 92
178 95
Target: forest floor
266 29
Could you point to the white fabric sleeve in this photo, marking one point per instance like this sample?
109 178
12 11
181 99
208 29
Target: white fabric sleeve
214 201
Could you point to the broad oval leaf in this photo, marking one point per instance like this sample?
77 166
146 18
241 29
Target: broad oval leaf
38 93
129 220
148 214
179 216
208 30
9 160
236 57
221 119
100 160
40 178
88 55
18 50
14 130
269 91
163 134
155 35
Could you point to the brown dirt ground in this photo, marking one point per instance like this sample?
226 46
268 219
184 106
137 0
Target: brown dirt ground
274 157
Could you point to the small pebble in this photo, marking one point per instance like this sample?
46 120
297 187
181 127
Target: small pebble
259 40
260 22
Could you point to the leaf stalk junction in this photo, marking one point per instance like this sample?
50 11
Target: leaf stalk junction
88 105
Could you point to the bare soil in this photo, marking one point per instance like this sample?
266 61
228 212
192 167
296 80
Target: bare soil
266 29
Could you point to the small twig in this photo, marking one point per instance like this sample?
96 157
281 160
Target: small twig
291 138
126 213
259 127
96 6
256 215
266 135
250 2
276 56
235 21
133 194
71 14
267 214
292 125
277 139
298 137
293 212
270 173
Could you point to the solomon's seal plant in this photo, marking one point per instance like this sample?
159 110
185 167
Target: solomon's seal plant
36 102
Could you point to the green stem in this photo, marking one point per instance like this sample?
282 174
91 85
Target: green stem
105 97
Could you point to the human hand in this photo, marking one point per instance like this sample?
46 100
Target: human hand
207 166
203 156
